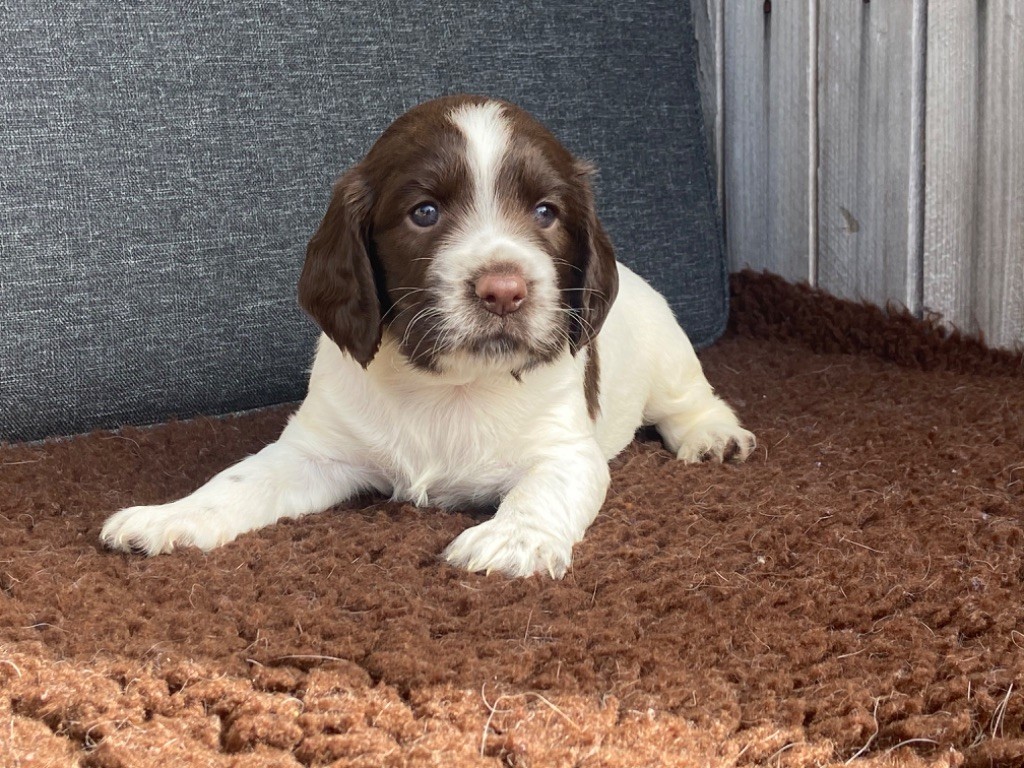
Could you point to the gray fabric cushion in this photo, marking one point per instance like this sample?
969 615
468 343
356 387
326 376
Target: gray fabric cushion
164 166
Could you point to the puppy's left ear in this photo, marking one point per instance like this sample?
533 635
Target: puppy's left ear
596 257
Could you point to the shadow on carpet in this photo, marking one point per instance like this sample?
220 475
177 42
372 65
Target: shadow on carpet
855 591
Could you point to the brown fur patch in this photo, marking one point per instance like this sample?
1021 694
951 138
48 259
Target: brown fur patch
592 381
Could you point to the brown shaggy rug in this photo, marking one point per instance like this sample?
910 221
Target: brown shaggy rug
852 594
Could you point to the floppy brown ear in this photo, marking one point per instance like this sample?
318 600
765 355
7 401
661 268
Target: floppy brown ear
600 274
337 285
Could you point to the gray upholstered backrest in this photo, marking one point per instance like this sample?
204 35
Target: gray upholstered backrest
163 167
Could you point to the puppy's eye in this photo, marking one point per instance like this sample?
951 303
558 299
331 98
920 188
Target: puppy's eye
425 215
545 215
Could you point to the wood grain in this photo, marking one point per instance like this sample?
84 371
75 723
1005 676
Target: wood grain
865 140
765 135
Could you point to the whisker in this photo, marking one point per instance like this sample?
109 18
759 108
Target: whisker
577 315
441 342
423 313
557 260
599 294
393 308
408 291
433 328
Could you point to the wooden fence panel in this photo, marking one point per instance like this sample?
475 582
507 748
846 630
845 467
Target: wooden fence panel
998 298
900 176
866 139
766 116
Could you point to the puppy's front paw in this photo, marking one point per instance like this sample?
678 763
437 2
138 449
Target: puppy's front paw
722 441
511 548
157 529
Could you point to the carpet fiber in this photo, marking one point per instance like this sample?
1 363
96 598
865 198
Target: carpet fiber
855 591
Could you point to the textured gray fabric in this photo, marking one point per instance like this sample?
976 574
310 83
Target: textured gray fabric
163 166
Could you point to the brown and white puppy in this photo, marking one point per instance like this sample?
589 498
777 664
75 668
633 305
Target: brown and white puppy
461 278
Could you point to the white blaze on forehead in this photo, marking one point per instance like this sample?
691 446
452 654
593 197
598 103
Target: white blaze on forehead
487 135
488 233
485 234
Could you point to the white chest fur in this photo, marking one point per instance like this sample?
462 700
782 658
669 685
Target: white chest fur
442 439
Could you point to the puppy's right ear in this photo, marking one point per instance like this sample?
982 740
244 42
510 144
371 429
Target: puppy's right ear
337 285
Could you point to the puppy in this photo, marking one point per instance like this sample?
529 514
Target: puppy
480 344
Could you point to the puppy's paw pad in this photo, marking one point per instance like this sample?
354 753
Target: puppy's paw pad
503 546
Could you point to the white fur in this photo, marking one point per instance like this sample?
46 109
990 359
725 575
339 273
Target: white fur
473 433
487 135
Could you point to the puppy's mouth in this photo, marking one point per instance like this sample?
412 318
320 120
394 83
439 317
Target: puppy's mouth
506 342
495 344
486 336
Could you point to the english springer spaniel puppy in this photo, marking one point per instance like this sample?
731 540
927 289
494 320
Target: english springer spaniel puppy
480 345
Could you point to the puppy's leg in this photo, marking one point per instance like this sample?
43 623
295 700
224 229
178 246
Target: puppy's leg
540 519
694 422
285 479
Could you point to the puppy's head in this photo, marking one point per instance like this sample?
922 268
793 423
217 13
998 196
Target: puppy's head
467 232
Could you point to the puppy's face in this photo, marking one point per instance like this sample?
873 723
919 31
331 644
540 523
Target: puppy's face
469 234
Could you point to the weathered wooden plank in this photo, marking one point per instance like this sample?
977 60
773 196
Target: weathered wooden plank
951 139
914 288
999 260
865 97
766 131
974 220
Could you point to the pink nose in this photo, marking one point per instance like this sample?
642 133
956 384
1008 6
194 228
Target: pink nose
501 293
